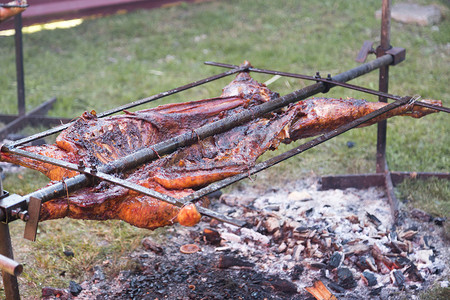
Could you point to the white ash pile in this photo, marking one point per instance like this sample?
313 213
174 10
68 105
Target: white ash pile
299 243
344 238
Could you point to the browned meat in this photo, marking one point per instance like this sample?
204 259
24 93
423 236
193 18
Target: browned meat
99 141
8 12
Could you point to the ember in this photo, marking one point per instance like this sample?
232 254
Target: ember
249 263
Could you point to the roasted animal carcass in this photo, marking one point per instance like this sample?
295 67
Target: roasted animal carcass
97 141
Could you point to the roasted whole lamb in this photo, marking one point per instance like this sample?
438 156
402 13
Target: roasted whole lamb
97 141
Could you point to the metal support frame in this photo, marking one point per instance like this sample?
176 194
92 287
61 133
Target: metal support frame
9 268
383 177
36 116
27 207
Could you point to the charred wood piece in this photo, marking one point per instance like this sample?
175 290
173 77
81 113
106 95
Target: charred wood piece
227 261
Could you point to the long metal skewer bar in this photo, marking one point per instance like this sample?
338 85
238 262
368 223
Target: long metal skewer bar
90 172
330 82
297 150
130 105
145 155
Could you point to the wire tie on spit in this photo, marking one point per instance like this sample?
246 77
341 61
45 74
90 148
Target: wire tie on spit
414 99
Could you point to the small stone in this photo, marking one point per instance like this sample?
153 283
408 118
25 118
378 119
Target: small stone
74 288
350 144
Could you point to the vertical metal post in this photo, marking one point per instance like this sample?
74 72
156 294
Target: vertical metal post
19 64
383 82
9 281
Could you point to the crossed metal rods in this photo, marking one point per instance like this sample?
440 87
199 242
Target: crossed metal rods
140 157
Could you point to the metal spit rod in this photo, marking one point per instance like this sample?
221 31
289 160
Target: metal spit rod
129 105
288 154
329 81
145 155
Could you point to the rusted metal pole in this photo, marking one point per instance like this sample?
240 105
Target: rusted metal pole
385 41
10 266
9 281
19 65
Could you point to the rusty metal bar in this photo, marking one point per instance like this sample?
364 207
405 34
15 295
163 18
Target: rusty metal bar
10 266
385 40
19 64
130 105
9 281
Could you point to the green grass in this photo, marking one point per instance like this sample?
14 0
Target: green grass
114 60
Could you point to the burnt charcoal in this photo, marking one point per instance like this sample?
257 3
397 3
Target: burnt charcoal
413 273
428 240
370 277
376 291
318 266
421 215
394 247
336 287
301 229
50 292
335 260
68 253
296 272
402 261
98 274
309 212
211 236
398 279
345 278
283 285
227 261
439 221
148 244
373 219
74 288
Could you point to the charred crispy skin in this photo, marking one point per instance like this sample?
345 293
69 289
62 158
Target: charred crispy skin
99 141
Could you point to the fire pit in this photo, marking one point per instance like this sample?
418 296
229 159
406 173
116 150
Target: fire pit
273 247
345 239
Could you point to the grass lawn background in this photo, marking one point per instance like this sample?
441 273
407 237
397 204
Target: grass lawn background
114 60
